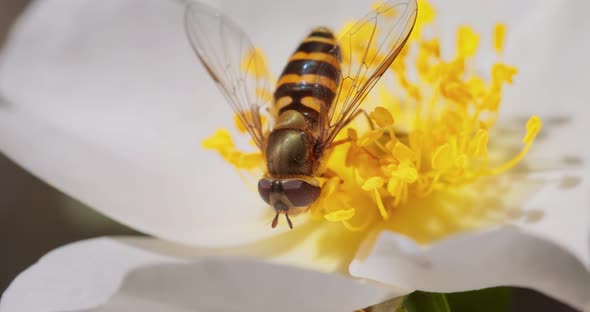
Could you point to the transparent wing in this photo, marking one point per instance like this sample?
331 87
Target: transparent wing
367 50
233 62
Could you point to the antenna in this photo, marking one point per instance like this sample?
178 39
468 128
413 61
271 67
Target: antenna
275 221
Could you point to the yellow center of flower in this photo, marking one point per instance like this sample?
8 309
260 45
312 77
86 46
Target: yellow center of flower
415 167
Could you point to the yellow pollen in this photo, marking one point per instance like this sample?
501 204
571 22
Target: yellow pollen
340 215
239 124
220 140
442 158
467 41
499 33
533 126
373 183
503 73
254 63
402 152
417 168
382 117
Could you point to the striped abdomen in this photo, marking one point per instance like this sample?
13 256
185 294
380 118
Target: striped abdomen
305 89
310 78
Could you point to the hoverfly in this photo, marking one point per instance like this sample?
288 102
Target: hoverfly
318 93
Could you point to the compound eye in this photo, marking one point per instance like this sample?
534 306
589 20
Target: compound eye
300 193
264 188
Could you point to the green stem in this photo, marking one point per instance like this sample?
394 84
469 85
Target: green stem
426 302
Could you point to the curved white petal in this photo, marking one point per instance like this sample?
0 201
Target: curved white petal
107 98
549 53
482 17
562 207
111 102
545 246
503 256
108 103
109 274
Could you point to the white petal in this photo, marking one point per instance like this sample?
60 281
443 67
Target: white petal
136 274
545 247
547 49
482 17
543 40
78 276
503 256
550 54
562 205
109 104
110 100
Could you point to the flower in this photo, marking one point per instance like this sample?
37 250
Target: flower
437 142
107 103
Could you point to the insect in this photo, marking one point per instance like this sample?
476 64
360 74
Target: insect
318 93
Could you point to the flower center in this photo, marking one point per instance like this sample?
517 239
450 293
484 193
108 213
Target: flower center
415 164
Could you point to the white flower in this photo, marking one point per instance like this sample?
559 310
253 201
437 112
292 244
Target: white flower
106 101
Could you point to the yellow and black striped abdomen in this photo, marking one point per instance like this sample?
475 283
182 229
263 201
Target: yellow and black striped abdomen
310 79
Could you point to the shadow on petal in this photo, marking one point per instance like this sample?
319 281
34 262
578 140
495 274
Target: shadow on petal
214 284
498 257
317 245
487 202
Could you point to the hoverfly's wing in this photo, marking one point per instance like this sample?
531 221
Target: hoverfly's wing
367 50
232 61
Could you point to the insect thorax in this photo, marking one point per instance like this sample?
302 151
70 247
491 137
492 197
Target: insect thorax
289 153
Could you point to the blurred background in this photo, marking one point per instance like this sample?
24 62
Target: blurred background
35 218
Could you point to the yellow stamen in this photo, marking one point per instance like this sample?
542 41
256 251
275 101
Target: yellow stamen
499 34
533 127
442 157
503 73
254 63
382 117
428 148
467 41
380 205
340 215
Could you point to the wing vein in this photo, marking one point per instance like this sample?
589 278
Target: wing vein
228 56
